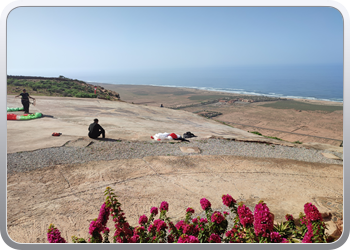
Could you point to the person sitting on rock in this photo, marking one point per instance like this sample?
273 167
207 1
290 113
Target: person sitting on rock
95 130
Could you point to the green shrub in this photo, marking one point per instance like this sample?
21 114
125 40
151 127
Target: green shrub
256 132
273 137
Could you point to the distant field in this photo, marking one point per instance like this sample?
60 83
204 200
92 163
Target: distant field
290 104
207 97
183 92
140 92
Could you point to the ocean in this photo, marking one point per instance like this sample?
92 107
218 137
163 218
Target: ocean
317 82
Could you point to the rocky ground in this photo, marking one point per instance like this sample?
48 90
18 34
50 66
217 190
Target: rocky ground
97 150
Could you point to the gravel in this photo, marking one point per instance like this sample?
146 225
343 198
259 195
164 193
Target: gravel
110 150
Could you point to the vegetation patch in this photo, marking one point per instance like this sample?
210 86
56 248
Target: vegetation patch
291 104
256 132
209 114
271 137
60 86
249 226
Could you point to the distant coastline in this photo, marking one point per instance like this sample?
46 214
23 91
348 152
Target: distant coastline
238 92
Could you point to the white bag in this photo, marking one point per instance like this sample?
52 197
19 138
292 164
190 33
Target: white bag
162 136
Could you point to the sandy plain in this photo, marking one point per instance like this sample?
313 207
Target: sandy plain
313 124
70 195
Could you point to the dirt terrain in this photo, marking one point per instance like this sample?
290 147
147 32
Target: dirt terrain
70 195
288 124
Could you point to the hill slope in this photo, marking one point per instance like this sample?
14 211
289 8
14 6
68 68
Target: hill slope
57 86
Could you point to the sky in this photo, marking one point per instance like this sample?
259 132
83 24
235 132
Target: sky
72 41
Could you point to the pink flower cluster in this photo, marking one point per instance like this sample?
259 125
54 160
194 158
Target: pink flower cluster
179 224
214 238
139 230
123 233
187 228
95 229
190 210
245 215
134 238
312 215
154 211
54 235
312 212
191 229
164 206
103 215
303 220
99 225
187 239
217 217
203 220
263 221
277 238
289 217
187 231
143 219
158 225
234 235
227 200
205 203
202 224
308 235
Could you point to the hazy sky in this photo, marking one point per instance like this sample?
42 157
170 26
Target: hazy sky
52 41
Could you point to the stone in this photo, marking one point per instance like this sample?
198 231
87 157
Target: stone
339 229
190 150
326 215
331 156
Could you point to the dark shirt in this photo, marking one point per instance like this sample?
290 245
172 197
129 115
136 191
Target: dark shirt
25 96
94 129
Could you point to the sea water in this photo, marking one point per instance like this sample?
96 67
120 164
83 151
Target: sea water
319 82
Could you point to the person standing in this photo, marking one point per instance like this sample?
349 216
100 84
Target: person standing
95 130
25 100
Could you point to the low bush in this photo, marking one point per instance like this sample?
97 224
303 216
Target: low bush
256 132
249 227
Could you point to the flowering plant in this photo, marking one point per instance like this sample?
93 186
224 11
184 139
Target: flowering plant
248 227
54 235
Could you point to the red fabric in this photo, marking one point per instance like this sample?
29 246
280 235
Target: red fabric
11 117
173 135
